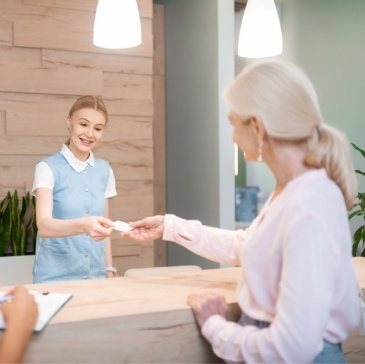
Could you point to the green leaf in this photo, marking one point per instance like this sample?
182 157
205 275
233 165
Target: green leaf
18 227
359 149
356 213
22 245
358 236
5 230
24 207
359 172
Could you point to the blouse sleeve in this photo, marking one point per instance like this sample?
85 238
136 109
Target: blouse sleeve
306 290
110 190
43 177
216 244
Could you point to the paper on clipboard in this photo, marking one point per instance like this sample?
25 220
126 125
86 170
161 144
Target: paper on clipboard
48 305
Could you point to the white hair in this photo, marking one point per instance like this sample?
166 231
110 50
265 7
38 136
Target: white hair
283 97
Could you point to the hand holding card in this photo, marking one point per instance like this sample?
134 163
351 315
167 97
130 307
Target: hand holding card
122 226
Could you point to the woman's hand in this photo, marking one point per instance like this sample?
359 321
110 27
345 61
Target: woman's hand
21 312
20 316
97 227
206 305
150 228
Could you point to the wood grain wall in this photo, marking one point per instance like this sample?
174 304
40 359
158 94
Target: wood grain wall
47 60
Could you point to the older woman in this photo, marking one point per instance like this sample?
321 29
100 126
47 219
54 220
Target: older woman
298 290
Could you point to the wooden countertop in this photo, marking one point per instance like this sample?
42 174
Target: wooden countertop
135 319
131 296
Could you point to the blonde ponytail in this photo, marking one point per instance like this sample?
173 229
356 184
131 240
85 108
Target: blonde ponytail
331 152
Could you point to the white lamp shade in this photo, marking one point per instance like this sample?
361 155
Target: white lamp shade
117 24
260 33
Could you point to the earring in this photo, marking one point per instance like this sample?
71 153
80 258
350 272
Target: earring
259 157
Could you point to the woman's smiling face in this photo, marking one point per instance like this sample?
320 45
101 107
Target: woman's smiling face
86 127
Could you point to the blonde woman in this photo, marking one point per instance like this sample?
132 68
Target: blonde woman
72 189
298 291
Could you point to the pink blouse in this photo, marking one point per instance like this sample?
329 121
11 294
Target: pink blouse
297 274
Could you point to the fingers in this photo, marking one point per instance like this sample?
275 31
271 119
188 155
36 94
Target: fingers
98 227
139 234
148 222
141 223
105 222
206 305
22 310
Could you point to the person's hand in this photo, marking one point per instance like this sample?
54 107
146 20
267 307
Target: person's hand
150 228
206 305
21 312
98 227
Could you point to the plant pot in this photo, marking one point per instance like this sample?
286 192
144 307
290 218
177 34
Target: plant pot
16 270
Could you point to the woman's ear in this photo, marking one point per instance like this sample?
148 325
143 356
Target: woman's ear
68 122
258 127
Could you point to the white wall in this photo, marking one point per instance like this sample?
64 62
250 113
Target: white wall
326 38
199 63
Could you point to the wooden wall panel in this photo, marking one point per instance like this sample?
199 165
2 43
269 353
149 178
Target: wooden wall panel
36 114
72 31
65 80
135 200
138 151
129 127
107 62
125 86
2 123
6 33
145 259
20 56
24 145
144 6
47 60
130 107
24 118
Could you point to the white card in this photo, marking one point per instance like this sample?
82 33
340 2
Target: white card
122 226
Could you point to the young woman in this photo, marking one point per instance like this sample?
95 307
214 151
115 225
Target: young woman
298 291
72 189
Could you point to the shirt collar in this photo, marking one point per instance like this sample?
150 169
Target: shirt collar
74 162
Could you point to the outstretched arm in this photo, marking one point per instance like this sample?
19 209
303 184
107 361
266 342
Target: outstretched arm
97 227
216 244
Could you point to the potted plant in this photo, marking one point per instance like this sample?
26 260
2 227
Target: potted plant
358 247
18 232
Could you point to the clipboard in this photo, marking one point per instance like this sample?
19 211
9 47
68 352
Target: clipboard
49 304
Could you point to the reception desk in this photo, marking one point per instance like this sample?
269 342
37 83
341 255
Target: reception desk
135 320
130 320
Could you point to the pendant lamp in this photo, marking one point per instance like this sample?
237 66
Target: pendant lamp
260 33
117 24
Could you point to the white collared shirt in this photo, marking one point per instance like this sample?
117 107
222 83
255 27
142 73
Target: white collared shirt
43 176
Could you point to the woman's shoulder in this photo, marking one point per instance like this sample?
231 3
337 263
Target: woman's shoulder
53 157
316 191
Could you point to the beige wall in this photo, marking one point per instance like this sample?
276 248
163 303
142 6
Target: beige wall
47 60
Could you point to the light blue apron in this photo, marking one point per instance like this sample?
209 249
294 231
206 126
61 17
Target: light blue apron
75 195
